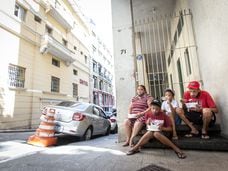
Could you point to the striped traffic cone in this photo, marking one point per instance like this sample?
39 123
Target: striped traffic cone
45 134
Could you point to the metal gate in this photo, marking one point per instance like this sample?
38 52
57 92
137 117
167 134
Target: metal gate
166 52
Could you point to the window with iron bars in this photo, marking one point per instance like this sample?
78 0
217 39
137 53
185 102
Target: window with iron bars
55 84
16 76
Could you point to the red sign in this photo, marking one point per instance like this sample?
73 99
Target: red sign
83 82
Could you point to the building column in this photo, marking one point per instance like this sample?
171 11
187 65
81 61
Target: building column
124 59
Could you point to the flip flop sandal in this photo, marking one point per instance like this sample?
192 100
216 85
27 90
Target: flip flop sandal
191 134
125 144
180 155
205 136
131 152
132 145
175 138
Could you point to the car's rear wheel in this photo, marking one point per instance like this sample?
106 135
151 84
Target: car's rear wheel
88 134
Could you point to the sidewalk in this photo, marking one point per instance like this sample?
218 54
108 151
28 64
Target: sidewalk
16 130
10 150
12 135
104 153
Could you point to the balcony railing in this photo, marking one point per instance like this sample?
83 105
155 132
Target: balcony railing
52 46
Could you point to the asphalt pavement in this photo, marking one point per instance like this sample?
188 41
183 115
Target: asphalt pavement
101 153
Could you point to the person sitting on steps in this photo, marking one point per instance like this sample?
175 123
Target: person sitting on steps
139 106
166 106
199 108
162 124
169 106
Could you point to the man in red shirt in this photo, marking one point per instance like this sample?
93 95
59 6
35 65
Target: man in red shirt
199 107
157 124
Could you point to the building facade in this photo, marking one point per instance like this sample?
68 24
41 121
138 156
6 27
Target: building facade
101 74
167 43
45 58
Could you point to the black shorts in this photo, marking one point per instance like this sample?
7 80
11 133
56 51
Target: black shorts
168 134
197 118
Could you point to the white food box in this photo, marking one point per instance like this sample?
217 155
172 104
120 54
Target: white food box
191 105
132 116
152 127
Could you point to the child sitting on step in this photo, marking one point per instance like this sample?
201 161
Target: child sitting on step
169 106
158 125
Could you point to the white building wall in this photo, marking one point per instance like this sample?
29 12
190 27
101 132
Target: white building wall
211 28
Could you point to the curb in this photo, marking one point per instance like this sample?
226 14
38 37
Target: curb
16 130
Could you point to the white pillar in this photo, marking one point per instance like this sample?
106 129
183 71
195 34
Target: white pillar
124 60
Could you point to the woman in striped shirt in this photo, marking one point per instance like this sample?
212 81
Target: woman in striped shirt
138 107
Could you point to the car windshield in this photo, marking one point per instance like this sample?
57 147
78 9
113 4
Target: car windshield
108 113
78 105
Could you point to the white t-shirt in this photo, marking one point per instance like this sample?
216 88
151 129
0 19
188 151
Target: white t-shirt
165 106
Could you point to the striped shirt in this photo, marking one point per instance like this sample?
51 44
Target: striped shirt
139 104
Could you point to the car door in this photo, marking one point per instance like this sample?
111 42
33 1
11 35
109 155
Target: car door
104 123
97 124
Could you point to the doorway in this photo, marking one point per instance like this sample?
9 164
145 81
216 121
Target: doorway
166 52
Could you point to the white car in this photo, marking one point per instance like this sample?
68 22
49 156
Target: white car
80 119
113 121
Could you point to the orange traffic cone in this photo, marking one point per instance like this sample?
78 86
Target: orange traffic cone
45 134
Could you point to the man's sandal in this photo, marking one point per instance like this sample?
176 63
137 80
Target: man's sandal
180 155
125 144
131 152
192 134
205 136
175 138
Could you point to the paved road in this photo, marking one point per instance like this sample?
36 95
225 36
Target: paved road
4 136
101 153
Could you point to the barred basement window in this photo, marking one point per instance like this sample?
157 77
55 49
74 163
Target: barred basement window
16 76
75 90
55 84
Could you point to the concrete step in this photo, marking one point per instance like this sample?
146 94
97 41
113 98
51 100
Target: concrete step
184 129
215 143
218 143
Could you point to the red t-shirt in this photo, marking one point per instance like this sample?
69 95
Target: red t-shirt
159 118
203 98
